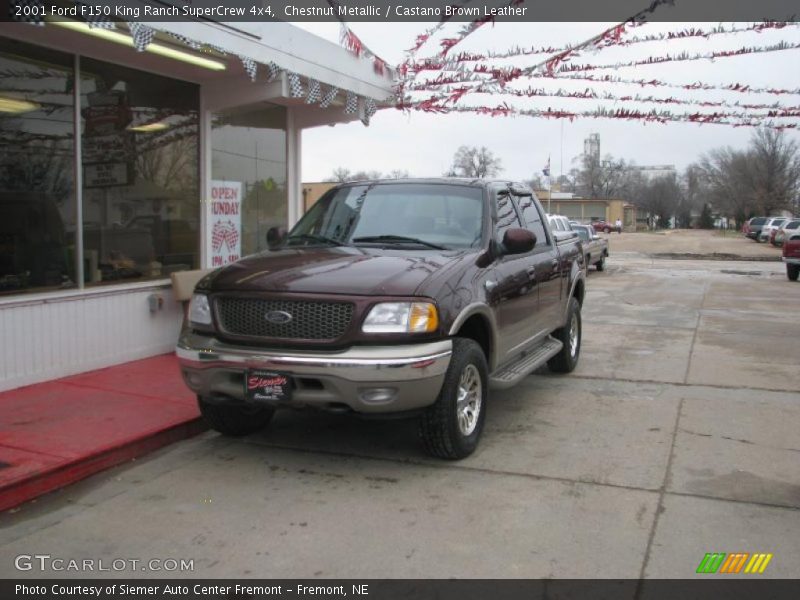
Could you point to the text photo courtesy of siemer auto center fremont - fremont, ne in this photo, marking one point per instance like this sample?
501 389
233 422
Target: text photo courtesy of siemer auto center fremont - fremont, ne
423 299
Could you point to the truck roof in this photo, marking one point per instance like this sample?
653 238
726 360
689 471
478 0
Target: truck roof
466 181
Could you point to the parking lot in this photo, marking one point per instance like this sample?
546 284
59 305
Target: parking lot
677 435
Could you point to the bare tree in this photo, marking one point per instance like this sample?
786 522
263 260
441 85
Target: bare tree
660 197
340 175
601 178
762 179
471 161
775 170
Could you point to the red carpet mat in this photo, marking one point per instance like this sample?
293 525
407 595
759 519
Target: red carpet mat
55 433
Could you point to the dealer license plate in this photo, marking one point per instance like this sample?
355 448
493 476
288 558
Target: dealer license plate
267 386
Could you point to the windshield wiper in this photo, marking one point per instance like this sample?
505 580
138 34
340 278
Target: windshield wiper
398 239
312 237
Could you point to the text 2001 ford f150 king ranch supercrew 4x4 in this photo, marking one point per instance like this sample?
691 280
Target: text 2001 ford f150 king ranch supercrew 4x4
389 298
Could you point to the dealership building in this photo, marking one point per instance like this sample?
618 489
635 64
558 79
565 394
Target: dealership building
130 151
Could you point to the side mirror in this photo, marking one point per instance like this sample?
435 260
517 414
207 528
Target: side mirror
595 237
518 241
275 237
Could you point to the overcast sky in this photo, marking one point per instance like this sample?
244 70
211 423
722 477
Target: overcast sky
424 144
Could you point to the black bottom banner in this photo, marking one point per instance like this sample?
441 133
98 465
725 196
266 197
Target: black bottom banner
396 589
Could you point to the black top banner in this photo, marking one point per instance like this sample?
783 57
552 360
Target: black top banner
731 588
404 10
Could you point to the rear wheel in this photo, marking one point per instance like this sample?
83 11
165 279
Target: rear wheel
792 271
570 336
234 420
452 426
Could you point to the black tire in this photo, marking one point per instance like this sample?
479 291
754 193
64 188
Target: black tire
567 359
601 264
607 230
792 271
445 431
234 420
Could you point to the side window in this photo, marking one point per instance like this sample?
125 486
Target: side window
533 219
506 216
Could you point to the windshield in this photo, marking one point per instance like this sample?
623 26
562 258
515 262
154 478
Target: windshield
403 215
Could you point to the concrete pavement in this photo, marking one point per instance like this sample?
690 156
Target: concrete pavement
677 435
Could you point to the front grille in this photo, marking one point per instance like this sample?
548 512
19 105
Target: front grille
310 320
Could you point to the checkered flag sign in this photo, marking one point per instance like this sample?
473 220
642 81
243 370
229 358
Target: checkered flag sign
370 108
27 11
314 92
142 35
295 86
351 104
184 40
224 232
329 97
250 66
273 71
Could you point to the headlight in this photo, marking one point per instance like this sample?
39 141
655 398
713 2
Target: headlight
199 310
401 317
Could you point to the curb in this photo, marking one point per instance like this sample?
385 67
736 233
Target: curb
24 490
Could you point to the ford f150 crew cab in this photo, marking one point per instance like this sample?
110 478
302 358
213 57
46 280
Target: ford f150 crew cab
389 298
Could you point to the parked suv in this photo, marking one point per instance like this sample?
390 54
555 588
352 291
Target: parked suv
389 298
772 225
752 228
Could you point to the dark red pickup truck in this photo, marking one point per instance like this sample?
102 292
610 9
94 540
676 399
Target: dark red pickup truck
791 254
389 298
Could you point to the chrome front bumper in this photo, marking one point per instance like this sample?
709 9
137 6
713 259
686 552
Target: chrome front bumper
368 379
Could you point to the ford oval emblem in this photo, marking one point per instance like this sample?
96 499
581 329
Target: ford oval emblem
278 317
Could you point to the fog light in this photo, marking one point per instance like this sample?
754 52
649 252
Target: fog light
377 395
192 379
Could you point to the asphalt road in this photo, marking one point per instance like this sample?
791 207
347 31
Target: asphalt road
676 436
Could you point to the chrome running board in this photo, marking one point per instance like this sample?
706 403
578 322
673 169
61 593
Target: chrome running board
510 375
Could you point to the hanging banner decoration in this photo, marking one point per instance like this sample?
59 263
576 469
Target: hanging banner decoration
273 71
329 97
142 35
613 40
353 43
493 79
224 223
455 93
295 85
653 116
249 66
351 104
314 92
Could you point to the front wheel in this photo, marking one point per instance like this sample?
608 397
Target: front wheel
451 427
601 264
234 420
570 336
792 271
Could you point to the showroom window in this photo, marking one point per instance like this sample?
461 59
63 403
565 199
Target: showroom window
37 190
139 198
248 163
140 156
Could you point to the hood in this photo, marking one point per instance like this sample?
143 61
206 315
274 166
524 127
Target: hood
335 270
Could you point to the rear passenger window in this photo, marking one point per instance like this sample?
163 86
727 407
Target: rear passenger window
506 216
533 219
